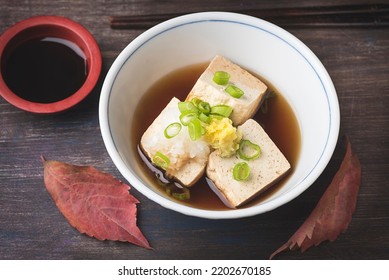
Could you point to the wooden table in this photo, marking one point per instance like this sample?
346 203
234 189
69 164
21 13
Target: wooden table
31 227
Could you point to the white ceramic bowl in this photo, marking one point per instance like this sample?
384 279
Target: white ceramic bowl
254 44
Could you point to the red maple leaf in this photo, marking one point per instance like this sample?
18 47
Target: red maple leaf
334 210
93 202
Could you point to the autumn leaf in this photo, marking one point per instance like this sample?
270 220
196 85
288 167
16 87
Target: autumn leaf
93 202
334 210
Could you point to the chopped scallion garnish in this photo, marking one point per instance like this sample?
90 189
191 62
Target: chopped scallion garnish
203 130
241 171
161 160
196 101
204 107
221 78
187 117
180 193
248 150
195 129
222 110
204 118
172 130
184 195
214 116
234 91
185 107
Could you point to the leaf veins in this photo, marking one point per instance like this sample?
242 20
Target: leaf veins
93 202
334 210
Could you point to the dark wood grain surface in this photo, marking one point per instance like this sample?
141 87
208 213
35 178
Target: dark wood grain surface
31 227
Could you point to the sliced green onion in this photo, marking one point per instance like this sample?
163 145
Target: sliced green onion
204 118
187 117
248 150
203 130
187 107
221 78
213 116
222 110
204 107
161 160
234 91
195 129
241 171
172 130
196 101
180 193
168 191
184 195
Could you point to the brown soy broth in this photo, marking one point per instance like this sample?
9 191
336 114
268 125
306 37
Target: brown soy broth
45 70
279 122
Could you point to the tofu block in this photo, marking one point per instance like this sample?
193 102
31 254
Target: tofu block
245 106
269 167
188 158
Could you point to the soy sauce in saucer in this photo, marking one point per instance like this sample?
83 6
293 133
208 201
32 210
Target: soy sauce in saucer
45 70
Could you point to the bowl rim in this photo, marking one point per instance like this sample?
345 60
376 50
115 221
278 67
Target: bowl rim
91 47
282 34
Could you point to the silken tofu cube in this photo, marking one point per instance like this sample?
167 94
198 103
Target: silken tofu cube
243 107
265 170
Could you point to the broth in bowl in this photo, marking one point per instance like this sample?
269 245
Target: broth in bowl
275 116
258 46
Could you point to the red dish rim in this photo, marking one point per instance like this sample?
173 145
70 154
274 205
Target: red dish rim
88 45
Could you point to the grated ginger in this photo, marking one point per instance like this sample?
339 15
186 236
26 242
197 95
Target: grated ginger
222 136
